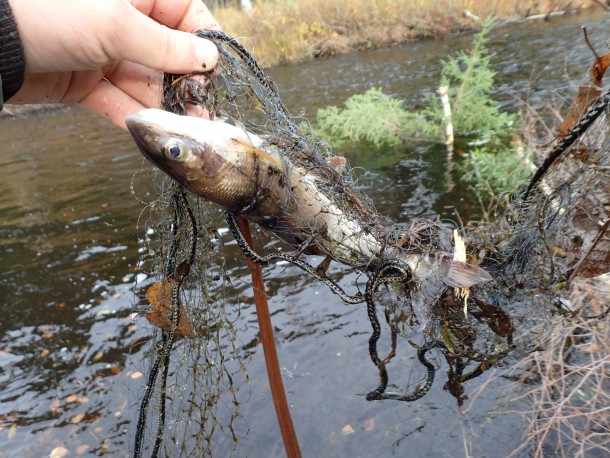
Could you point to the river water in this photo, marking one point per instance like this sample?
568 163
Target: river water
69 254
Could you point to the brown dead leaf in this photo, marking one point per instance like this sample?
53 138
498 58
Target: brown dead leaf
136 375
347 429
159 296
587 92
369 425
71 398
45 352
55 405
82 449
77 418
588 248
59 452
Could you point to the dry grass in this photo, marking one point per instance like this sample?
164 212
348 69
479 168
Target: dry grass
282 31
566 385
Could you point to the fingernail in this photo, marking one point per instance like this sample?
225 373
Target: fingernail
206 53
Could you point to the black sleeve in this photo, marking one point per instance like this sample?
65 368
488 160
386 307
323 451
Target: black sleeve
12 58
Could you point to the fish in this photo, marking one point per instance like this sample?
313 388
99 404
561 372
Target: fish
245 174
240 172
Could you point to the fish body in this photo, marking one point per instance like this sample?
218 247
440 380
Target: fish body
240 172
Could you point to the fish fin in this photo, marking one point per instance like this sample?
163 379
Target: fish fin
257 152
460 274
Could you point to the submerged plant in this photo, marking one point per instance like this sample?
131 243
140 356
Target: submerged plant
498 171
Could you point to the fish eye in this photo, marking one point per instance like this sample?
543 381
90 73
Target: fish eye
174 150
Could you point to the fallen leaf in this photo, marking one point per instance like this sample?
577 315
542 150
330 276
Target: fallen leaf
59 452
98 356
83 399
369 425
587 92
136 375
44 353
55 405
82 449
12 431
71 398
77 418
159 296
347 429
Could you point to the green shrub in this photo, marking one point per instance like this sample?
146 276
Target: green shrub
497 170
380 120
470 80
372 117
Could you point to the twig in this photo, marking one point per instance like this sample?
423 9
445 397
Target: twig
291 443
599 235
444 96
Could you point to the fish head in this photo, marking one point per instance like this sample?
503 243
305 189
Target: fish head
196 152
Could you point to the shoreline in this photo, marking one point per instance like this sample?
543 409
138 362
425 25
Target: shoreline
279 33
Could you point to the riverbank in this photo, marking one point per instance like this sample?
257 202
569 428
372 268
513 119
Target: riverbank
281 32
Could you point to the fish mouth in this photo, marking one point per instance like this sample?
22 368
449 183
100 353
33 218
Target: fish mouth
144 135
149 138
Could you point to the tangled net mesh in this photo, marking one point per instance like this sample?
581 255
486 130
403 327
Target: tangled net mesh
197 377
535 251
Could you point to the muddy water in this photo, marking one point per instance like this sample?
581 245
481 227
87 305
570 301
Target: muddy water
69 254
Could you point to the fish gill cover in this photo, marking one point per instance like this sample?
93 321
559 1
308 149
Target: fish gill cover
493 301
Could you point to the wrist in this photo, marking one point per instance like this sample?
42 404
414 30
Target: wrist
12 57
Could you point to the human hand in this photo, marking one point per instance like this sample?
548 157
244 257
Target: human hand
107 55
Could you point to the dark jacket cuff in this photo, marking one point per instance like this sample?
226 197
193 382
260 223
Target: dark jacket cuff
12 57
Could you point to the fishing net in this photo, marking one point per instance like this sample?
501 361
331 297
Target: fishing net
197 377
553 233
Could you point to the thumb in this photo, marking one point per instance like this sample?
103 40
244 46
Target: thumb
156 46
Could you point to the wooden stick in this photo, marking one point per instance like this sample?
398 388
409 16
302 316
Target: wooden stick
291 443
443 92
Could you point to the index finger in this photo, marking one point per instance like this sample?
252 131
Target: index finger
185 15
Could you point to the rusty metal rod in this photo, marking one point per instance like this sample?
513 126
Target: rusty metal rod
291 443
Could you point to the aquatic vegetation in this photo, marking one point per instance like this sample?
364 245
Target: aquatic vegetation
373 117
497 171
495 162
470 82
